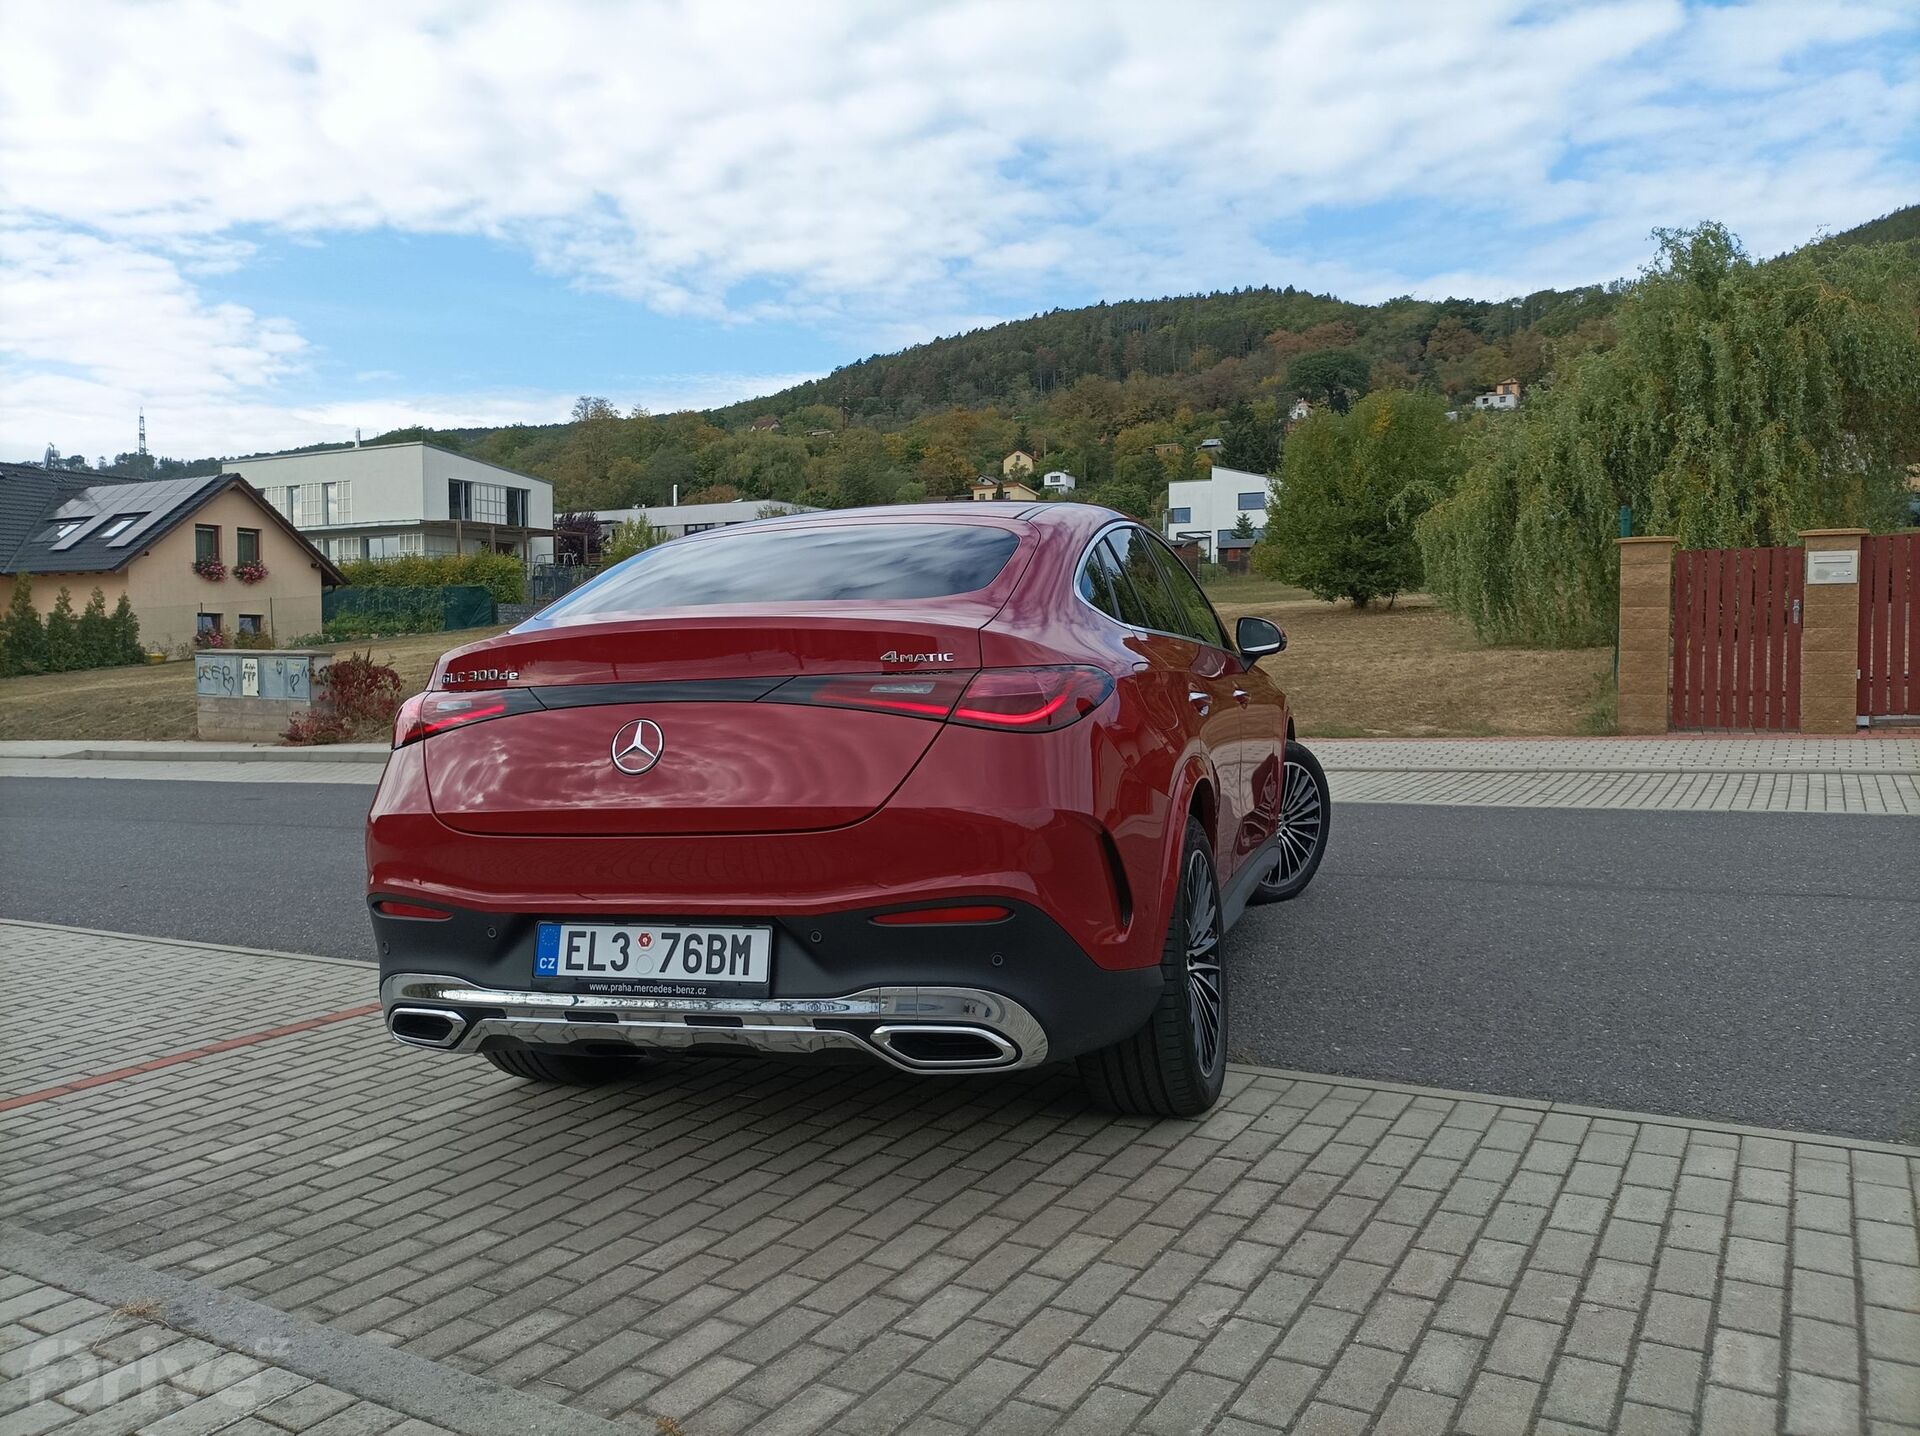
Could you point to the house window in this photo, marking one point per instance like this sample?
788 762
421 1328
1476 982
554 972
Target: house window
1252 501
246 545
517 507
207 623
251 623
66 528
206 544
118 525
322 504
1179 516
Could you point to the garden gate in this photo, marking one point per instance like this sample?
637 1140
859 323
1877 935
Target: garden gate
1890 626
1736 637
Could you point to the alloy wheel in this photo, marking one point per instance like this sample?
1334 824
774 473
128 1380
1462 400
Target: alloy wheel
1302 820
1204 1005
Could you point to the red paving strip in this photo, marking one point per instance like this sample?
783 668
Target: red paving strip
120 1074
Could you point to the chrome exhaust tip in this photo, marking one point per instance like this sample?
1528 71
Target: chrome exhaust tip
930 1047
426 1026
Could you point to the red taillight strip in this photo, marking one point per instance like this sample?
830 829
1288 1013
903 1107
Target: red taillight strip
386 907
1012 720
945 916
438 711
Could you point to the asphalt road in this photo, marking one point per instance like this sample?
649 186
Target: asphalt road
1740 967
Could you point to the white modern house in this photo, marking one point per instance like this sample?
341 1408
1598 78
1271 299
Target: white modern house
388 500
1205 511
677 520
1505 395
1060 481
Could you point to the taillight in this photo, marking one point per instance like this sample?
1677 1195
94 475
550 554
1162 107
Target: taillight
1031 700
1018 700
413 911
910 695
959 915
425 714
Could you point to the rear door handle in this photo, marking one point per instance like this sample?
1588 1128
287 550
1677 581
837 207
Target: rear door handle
1200 699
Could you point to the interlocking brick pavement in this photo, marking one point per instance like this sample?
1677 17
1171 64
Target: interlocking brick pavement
740 1246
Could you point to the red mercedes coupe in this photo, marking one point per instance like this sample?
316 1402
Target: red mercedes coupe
958 788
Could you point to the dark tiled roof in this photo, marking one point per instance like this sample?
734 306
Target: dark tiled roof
35 504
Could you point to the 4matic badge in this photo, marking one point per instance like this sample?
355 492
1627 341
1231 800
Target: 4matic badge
893 655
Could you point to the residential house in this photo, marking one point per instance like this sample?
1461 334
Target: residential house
1505 395
1206 511
1059 481
1019 462
173 547
1301 408
386 500
765 424
678 520
987 488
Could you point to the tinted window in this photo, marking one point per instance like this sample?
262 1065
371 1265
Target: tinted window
1179 516
1156 606
800 565
1199 621
1253 501
1104 586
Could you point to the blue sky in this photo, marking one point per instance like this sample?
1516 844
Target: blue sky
270 225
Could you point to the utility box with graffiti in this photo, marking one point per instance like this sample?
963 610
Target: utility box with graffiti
251 695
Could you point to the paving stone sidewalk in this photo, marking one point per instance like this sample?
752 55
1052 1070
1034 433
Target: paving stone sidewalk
736 1246
75 1365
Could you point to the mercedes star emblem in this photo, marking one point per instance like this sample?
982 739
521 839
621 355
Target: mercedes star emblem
638 746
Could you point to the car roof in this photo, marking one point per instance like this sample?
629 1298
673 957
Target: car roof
1068 516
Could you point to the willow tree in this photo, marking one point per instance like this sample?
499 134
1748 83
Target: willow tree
1741 404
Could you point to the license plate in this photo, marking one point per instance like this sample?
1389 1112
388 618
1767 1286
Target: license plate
655 959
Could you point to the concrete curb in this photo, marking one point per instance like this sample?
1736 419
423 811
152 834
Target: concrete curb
1574 1109
229 949
358 1365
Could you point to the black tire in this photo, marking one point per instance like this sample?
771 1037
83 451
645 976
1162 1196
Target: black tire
572 1069
1173 1066
1306 816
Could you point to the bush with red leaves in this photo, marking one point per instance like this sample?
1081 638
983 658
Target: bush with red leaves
354 700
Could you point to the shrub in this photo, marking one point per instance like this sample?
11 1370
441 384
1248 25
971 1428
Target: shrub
63 635
260 638
383 623
354 700
23 638
125 633
500 573
629 539
97 648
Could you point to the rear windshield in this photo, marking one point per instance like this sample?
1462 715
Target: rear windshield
800 565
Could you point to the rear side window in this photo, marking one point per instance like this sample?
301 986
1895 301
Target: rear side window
1105 587
1200 620
800 565
1156 606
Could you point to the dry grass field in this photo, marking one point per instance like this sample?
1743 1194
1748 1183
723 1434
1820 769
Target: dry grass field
1407 671
156 701
1414 670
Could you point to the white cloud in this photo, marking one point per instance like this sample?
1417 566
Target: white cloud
875 169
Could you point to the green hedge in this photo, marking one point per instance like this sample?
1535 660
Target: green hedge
382 612
500 573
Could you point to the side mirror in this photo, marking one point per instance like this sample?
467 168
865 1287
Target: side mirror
1257 638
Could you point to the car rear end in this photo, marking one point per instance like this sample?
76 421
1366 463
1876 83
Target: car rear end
785 789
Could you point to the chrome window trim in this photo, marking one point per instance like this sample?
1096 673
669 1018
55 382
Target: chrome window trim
1081 567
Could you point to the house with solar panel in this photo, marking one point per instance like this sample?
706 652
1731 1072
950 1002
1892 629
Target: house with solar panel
194 556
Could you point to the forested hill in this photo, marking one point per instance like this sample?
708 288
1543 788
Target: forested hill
1238 337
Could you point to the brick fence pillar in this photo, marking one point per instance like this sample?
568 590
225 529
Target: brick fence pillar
1646 633
1830 632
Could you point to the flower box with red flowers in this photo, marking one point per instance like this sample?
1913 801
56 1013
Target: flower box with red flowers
211 569
250 572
